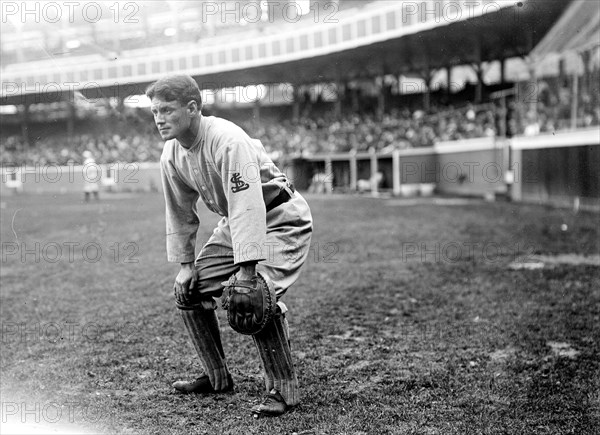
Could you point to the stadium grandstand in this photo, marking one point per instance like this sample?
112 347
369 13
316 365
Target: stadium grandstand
349 88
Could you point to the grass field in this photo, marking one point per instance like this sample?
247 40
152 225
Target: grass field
407 320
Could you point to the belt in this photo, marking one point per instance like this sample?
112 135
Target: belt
284 196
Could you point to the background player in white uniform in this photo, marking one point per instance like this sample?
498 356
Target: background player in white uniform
265 227
91 176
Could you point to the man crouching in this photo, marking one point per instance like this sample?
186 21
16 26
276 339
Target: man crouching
259 245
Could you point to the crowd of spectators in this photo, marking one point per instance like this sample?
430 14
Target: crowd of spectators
554 112
397 129
106 148
315 133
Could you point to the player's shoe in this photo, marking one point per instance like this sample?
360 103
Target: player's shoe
201 385
272 405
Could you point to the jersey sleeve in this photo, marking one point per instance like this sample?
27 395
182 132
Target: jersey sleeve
240 173
181 215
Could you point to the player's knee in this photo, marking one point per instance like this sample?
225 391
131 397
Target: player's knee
198 302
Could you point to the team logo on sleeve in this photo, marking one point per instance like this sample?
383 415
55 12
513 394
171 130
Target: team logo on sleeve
239 184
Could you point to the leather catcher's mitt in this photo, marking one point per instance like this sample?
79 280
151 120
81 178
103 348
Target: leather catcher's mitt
250 304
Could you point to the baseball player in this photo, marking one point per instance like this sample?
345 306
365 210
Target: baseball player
91 176
255 253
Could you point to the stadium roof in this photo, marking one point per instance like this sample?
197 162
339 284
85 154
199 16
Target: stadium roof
577 30
510 32
505 30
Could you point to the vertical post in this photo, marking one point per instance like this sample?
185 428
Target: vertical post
516 192
120 102
427 94
355 103
374 170
328 176
479 85
586 79
256 112
449 80
396 172
25 125
296 103
534 84
379 84
353 171
70 120
338 99
574 100
502 121
479 72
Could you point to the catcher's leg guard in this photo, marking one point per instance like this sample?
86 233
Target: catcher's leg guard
274 350
203 326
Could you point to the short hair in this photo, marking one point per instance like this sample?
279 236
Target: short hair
176 87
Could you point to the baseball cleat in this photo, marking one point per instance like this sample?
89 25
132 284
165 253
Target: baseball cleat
272 405
201 385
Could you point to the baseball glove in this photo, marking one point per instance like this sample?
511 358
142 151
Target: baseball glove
250 305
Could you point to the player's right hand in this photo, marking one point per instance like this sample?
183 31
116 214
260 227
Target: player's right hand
185 283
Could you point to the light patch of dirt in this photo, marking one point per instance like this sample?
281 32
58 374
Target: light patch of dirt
359 365
574 259
549 261
501 355
562 349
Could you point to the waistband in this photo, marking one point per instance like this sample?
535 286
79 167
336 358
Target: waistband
284 196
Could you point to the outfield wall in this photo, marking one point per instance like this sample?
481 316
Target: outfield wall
54 179
562 168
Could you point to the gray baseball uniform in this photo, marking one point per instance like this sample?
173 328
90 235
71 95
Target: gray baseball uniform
264 219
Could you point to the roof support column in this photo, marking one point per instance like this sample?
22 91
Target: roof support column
379 83
427 77
338 99
449 80
574 100
256 112
70 120
25 124
355 104
585 86
533 84
479 85
296 102
478 68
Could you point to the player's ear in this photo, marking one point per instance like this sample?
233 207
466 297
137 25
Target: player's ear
192 107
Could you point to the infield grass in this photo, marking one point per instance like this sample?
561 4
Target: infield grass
406 320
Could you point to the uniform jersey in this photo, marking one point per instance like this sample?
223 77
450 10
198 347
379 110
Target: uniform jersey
234 177
91 176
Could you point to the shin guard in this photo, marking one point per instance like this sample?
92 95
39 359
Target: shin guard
274 350
203 327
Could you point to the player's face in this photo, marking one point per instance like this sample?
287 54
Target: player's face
172 119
